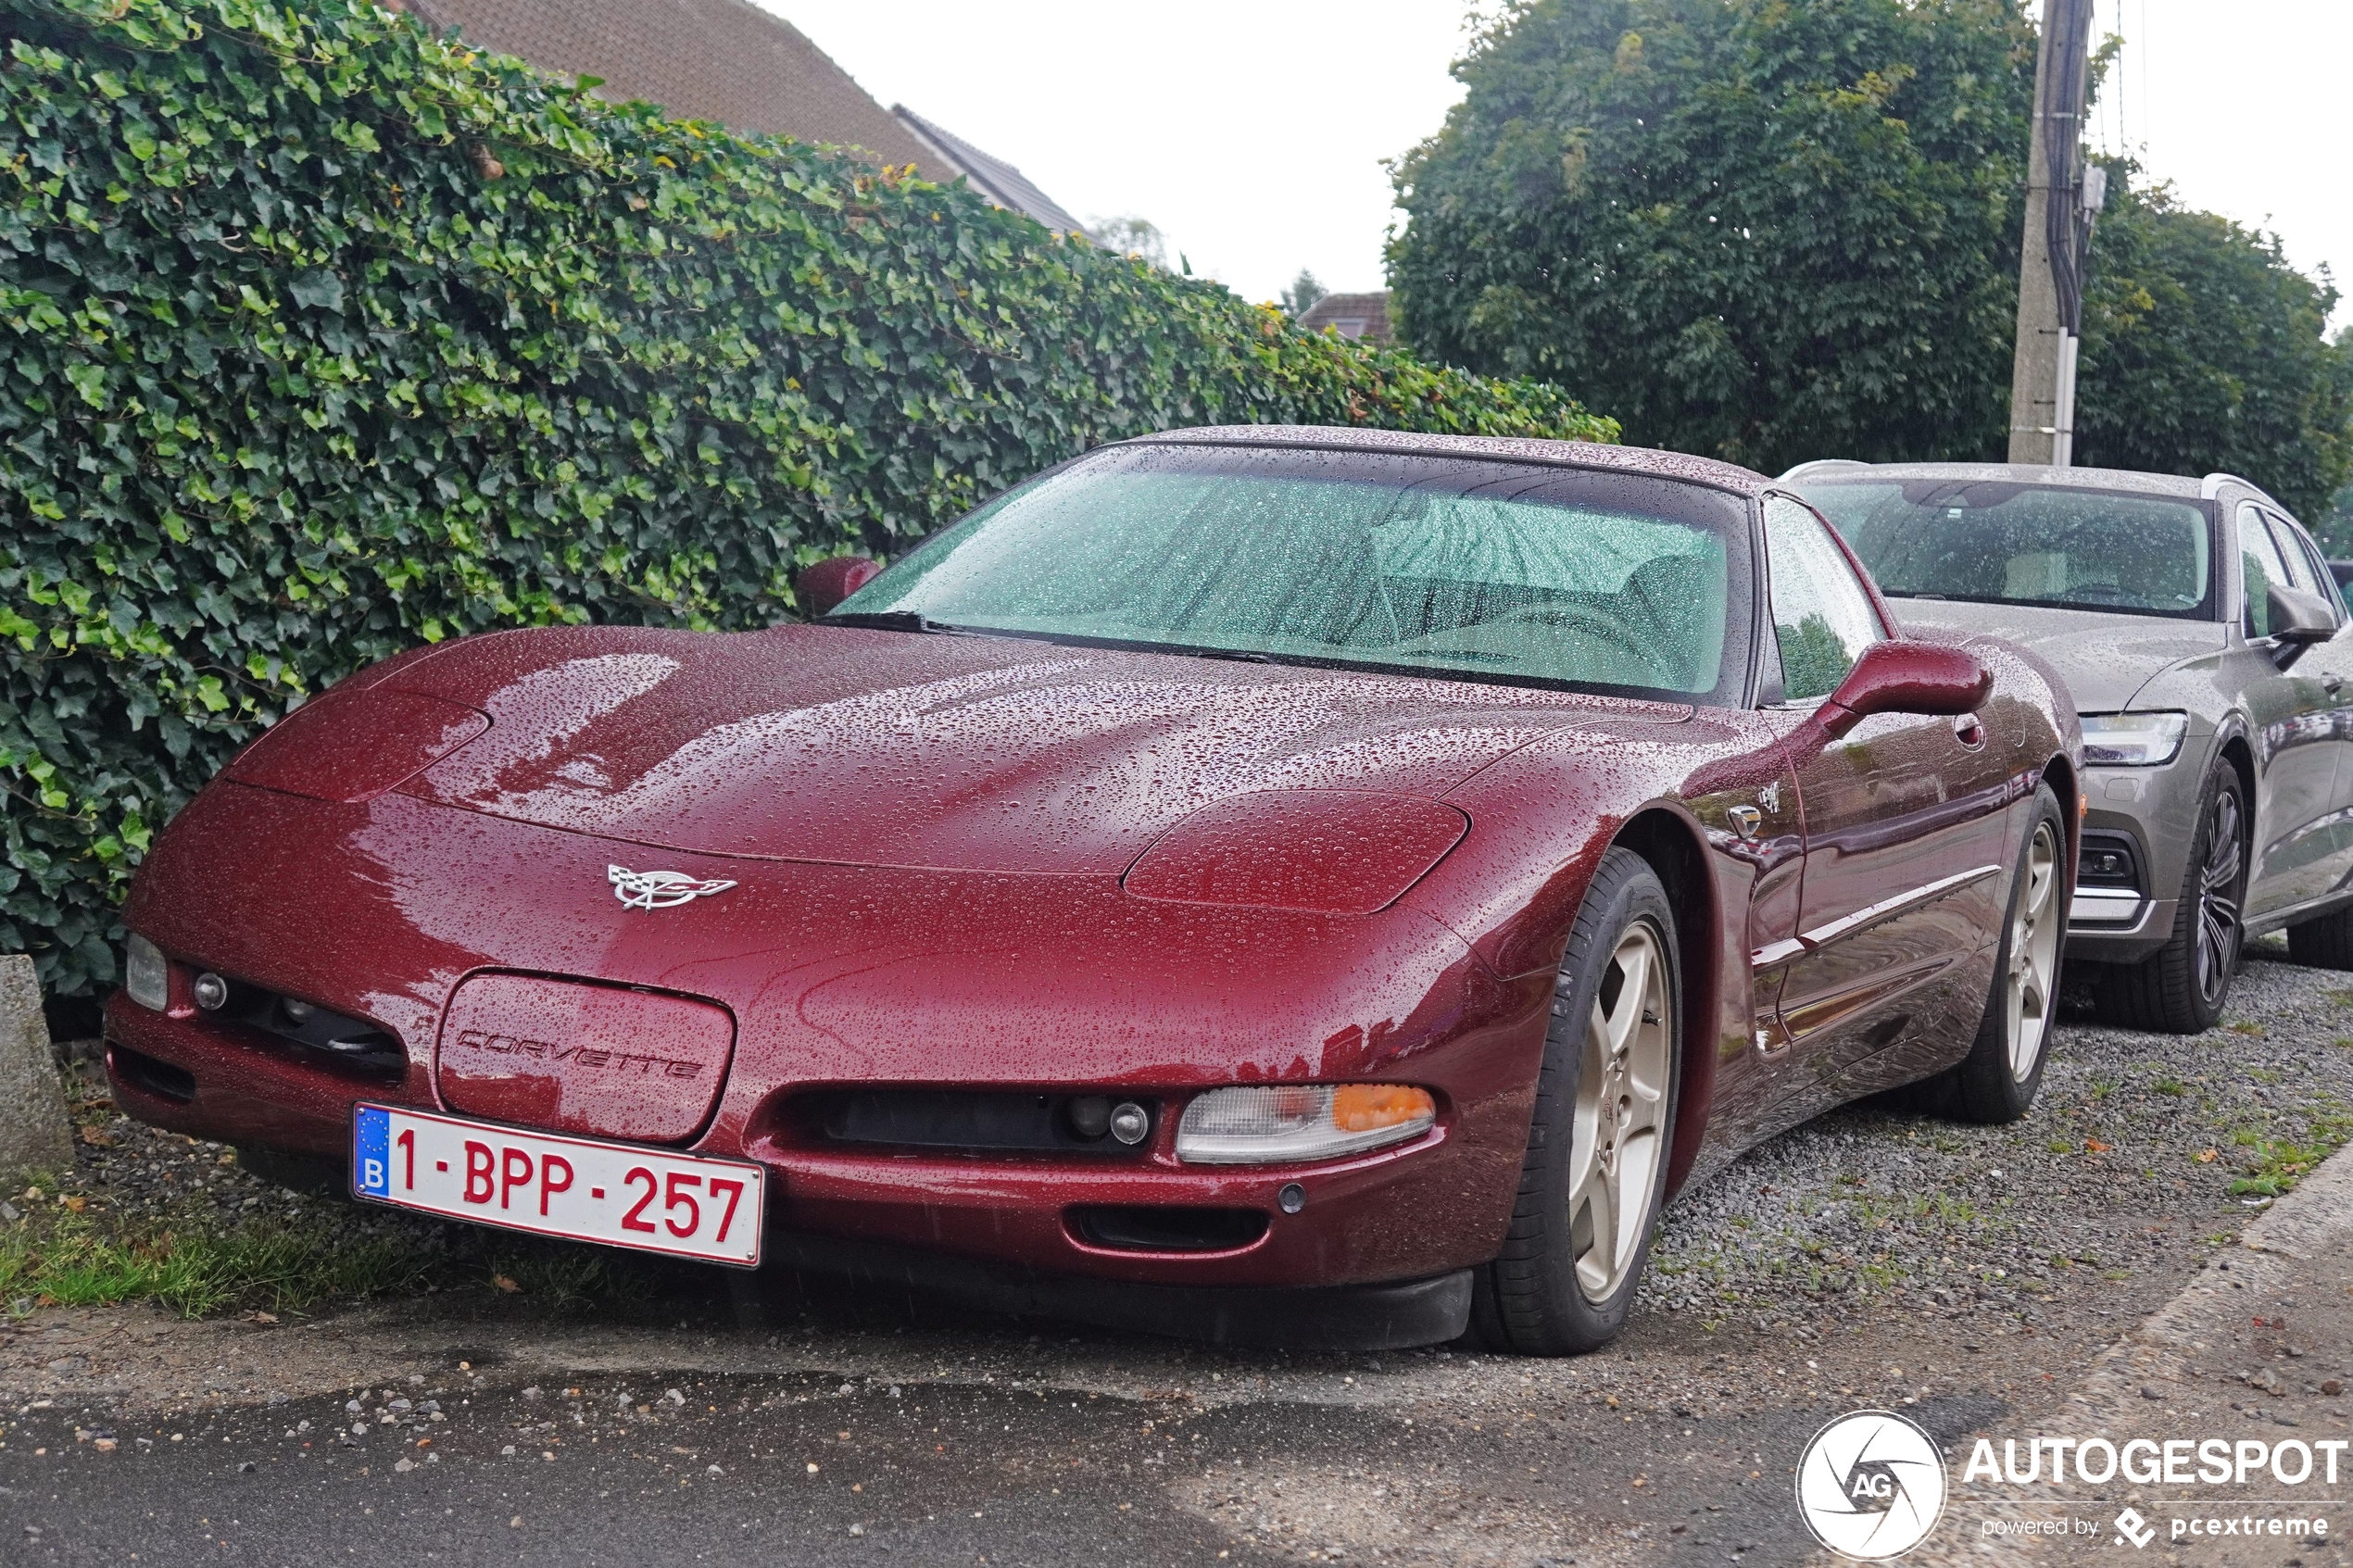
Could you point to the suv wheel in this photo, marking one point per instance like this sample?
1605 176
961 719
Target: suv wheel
2179 989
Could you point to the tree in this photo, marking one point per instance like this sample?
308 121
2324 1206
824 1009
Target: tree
1304 291
1130 235
1763 229
2204 349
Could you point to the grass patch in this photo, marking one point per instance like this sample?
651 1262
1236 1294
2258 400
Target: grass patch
2276 1165
280 1265
2173 1089
2243 1027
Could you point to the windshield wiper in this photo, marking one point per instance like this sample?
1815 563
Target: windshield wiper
886 620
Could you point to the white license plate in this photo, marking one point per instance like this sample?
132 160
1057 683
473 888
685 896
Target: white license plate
620 1193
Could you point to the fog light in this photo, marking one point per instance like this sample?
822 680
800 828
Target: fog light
1283 1121
145 974
210 991
1130 1123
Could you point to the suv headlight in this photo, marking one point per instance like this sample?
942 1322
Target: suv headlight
2132 740
1278 1123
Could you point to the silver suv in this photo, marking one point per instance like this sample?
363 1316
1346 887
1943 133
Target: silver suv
2202 637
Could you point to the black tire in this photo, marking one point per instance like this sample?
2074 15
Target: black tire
2180 989
1530 1299
2325 943
1986 1086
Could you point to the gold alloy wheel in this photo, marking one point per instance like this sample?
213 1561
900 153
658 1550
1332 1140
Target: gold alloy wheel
1620 1132
2034 946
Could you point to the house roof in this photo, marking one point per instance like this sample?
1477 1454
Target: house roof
724 60
993 177
1352 315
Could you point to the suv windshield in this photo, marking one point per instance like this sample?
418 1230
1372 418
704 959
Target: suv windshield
2001 542
1439 566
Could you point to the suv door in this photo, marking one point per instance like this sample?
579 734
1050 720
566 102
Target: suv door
2294 716
2328 841
1908 829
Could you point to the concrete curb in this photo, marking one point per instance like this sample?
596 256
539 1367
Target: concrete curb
2166 1353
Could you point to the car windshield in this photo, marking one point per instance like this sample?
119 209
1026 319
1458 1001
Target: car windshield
2000 542
1440 566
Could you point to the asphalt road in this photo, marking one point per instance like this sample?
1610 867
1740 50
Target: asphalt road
830 1428
814 1468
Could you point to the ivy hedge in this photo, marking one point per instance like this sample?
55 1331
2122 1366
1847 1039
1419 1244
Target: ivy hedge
321 336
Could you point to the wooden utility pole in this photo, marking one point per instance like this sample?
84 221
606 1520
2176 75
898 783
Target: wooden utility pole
2050 277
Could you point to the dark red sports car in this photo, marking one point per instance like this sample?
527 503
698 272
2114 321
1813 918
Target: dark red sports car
1236 872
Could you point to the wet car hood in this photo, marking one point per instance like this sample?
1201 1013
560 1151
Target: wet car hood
873 747
2105 659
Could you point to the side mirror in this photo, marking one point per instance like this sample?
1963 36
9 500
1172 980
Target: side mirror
2298 619
1935 678
826 584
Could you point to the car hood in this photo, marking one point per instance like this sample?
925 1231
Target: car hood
2104 659
859 746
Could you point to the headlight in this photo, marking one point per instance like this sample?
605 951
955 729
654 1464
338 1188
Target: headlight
1286 1121
146 974
2132 740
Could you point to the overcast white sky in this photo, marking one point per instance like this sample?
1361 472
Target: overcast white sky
1253 132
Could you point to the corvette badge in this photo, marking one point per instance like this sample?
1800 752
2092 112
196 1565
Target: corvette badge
659 890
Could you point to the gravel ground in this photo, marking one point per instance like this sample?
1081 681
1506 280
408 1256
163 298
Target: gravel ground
2142 1151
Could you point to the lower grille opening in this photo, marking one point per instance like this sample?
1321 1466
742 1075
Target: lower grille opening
1152 1229
989 1121
146 1074
353 1042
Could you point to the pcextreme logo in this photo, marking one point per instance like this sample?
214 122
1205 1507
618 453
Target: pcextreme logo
1872 1485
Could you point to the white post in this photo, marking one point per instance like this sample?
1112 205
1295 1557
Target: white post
2063 416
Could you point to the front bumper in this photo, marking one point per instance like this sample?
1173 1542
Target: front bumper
2156 811
825 1002
1401 1213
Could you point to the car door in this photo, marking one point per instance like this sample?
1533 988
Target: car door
2293 715
1906 823
2328 839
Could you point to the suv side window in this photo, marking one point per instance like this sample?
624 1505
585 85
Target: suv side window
2260 566
1822 617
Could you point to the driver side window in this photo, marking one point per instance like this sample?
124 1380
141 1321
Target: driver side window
1822 619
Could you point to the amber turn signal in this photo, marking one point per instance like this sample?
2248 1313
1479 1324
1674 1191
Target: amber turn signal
1361 1107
